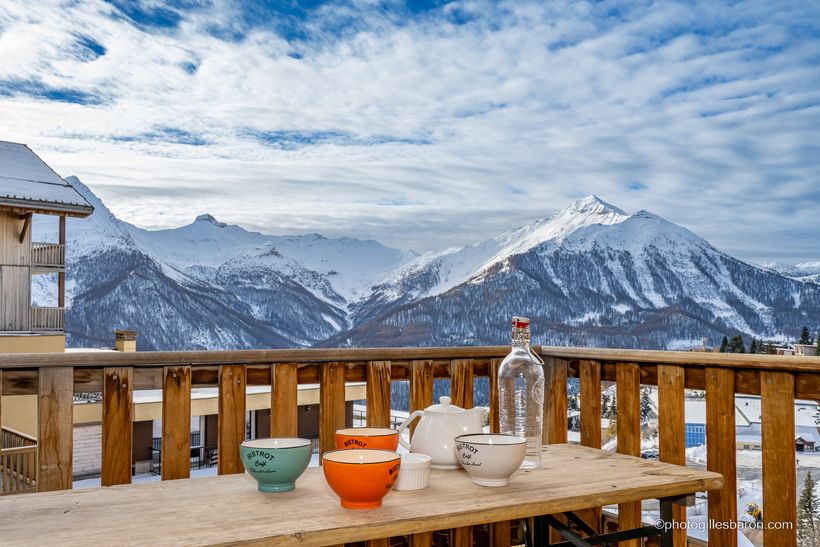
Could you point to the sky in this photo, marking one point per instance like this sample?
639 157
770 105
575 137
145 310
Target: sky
427 124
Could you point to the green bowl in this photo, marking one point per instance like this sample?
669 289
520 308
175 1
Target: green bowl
275 463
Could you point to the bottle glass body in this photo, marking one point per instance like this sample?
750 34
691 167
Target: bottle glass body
521 396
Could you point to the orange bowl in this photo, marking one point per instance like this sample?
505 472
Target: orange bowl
379 438
361 477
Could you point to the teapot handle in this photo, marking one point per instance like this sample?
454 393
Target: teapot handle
406 423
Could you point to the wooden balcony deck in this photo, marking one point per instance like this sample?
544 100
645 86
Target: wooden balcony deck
777 379
47 257
45 319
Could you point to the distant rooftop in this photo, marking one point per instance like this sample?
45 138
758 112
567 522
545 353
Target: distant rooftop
27 183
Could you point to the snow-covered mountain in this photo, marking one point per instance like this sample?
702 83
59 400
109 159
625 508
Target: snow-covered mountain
208 284
589 275
802 271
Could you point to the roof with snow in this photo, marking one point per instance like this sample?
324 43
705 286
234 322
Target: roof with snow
27 183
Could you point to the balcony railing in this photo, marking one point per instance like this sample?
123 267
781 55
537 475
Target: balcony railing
47 255
47 319
18 462
777 379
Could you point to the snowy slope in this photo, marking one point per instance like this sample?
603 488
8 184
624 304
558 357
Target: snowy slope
591 276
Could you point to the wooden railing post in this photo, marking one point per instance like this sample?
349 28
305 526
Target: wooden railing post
495 364
421 387
378 394
628 393
672 431
56 428
779 472
231 418
461 392
117 425
176 422
332 404
461 382
720 453
590 375
555 413
284 419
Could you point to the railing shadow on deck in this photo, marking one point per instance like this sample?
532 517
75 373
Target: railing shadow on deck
777 379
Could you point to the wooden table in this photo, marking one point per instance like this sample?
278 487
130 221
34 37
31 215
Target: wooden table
229 509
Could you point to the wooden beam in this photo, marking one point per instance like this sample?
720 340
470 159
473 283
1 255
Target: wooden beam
61 273
284 420
628 393
176 423
779 471
25 228
332 404
231 418
56 429
720 456
117 425
672 431
378 393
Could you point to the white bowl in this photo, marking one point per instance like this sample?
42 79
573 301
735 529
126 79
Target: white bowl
415 472
490 458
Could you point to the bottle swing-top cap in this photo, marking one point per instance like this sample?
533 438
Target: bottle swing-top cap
520 322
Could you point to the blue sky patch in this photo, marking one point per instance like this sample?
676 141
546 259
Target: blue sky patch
89 49
150 15
168 135
296 139
38 90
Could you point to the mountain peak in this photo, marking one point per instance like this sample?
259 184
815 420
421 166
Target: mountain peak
591 205
205 217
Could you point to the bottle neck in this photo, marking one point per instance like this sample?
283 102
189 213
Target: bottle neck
521 338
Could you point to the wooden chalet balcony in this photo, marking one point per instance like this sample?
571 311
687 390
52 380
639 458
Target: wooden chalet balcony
18 462
47 319
47 257
777 379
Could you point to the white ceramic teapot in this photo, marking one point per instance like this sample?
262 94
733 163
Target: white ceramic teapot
439 426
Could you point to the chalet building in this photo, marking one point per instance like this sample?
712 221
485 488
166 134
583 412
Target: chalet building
29 187
806 350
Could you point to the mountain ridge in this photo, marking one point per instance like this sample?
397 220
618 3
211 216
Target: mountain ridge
590 274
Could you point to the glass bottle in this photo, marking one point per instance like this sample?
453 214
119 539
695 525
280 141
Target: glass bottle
521 392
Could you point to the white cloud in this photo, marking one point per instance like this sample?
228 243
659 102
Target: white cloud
424 133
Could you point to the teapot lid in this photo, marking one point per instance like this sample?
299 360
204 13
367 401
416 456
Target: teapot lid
444 407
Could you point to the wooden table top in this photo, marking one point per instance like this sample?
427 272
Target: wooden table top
229 508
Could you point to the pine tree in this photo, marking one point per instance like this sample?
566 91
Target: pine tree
808 511
724 344
736 344
753 347
646 403
805 337
613 408
605 405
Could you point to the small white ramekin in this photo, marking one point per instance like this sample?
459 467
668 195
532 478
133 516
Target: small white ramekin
414 473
